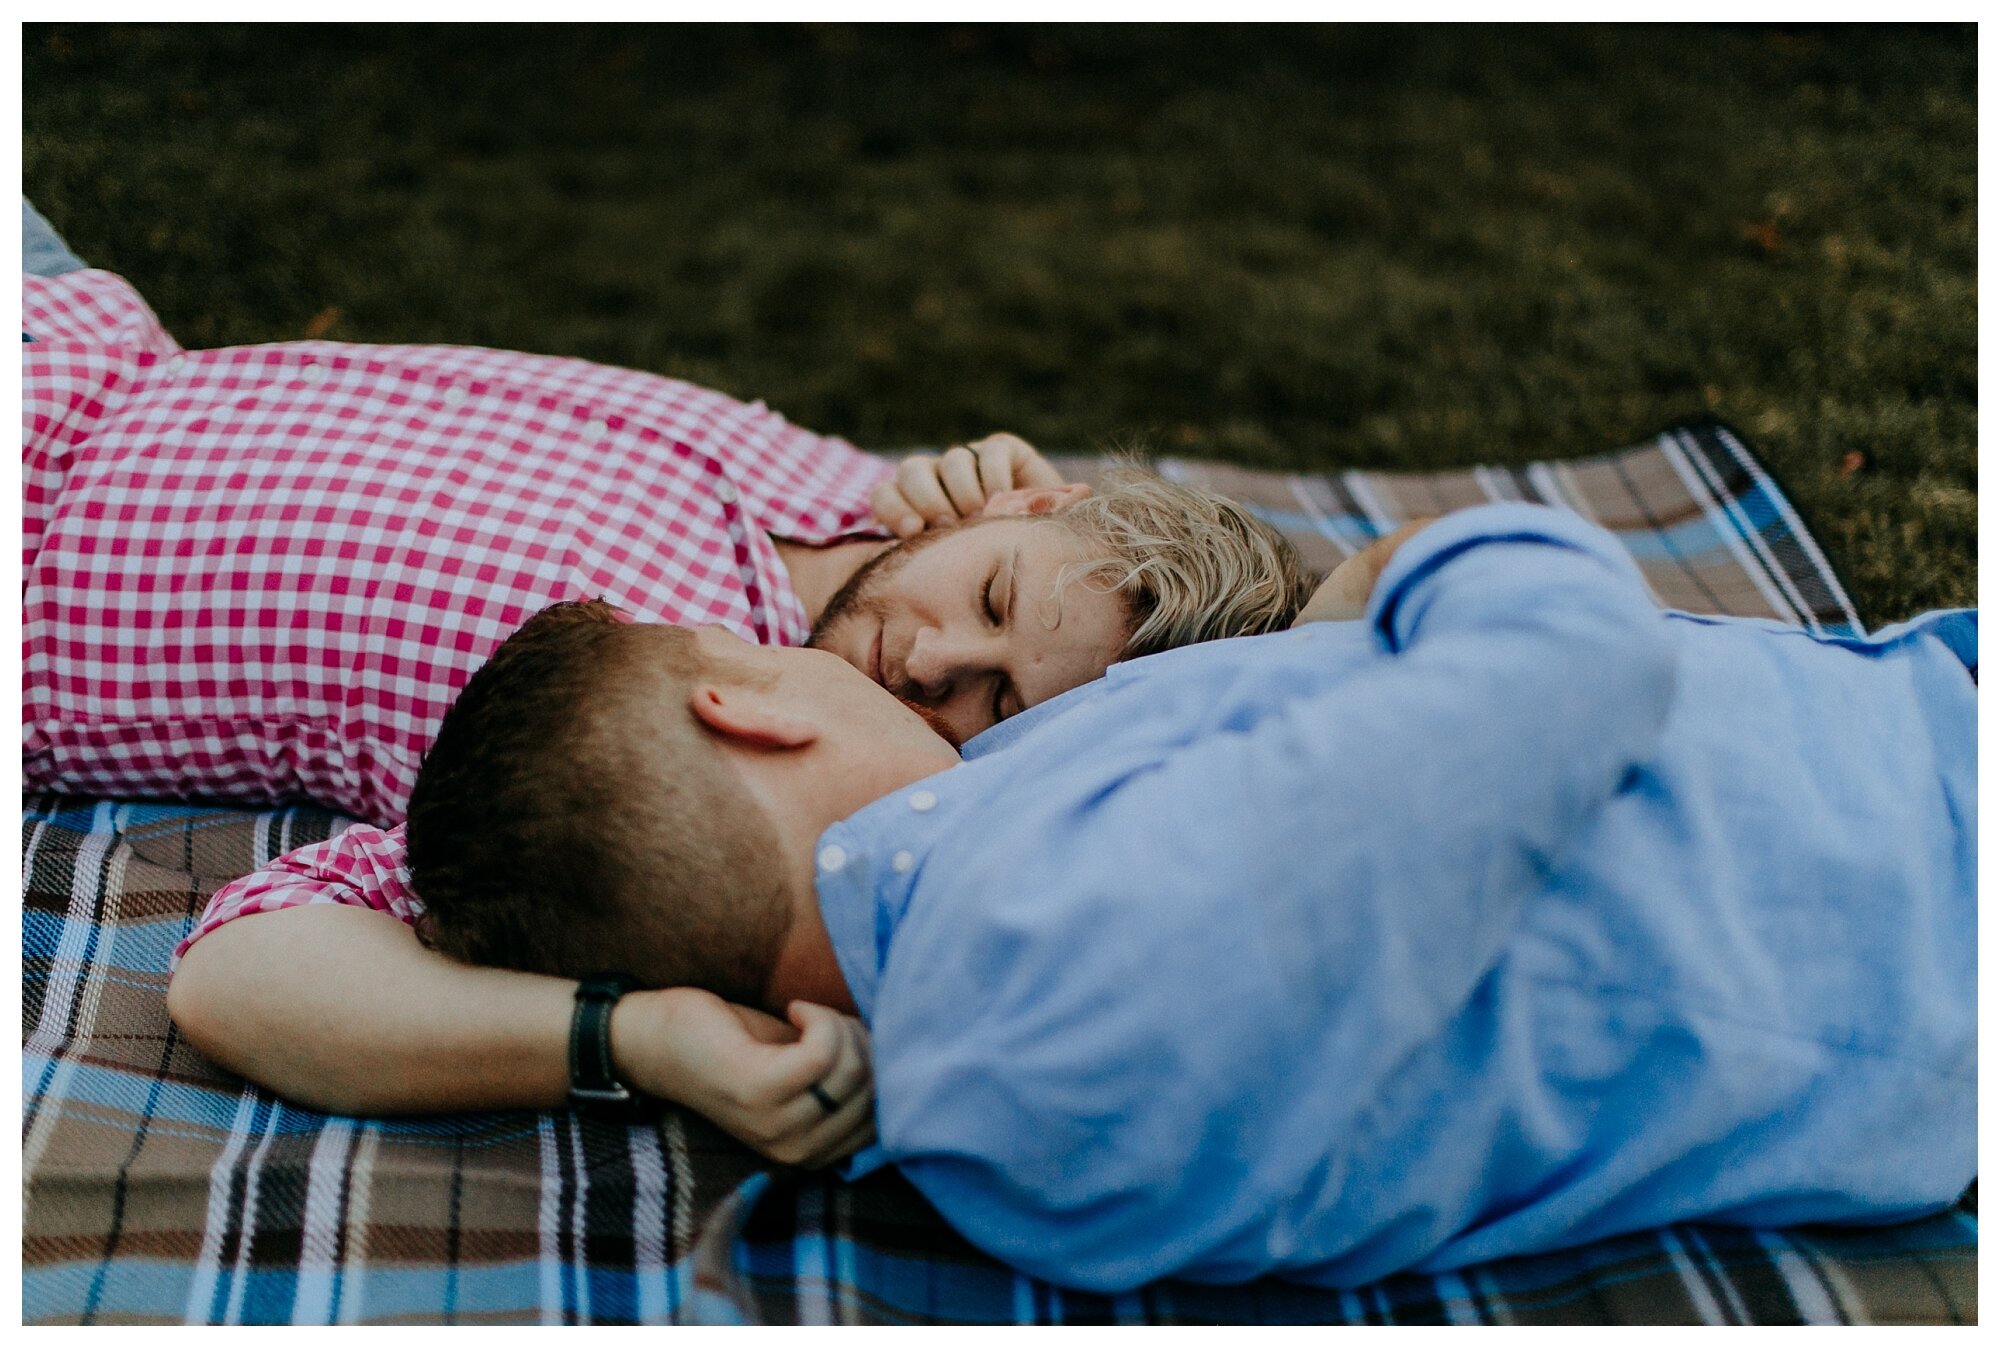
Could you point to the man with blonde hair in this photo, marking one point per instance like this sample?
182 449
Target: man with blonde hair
1156 565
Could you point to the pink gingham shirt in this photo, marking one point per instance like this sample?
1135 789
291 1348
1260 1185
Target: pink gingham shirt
262 573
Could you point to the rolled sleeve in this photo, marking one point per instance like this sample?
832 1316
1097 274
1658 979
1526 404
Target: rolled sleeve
363 868
1513 541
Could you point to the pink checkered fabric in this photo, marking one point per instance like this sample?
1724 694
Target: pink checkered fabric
262 573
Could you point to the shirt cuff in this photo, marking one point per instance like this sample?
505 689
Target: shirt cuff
1451 536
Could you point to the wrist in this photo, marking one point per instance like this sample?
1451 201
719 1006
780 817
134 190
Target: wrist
639 1058
597 1085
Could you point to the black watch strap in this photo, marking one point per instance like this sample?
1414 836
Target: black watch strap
594 1085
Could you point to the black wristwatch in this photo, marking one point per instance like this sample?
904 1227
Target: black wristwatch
594 1086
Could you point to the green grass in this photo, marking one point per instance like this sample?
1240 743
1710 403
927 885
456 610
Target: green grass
1301 247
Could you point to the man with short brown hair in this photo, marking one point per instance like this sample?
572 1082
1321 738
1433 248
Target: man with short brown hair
1514 914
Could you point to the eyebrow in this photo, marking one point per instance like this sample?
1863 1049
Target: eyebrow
1014 588
1013 613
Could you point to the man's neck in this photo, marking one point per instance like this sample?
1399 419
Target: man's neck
817 572
807 967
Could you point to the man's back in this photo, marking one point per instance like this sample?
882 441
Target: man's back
1532 916
263 573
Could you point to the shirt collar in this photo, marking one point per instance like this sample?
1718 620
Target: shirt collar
866 867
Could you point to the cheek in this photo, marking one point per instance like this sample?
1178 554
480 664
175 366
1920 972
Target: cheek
838 636
1077 670
1102 635
911 603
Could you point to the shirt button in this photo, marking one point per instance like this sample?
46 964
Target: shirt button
925 800
452 395
903 861
725 492
832 858
598 428
175 364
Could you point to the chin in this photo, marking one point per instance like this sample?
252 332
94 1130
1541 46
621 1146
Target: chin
933 720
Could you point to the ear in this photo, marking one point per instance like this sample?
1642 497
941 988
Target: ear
1041 500
750 716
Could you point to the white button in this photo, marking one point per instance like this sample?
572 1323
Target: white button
832 858
725 492
903 861
598 428
452 395
175 364
925 800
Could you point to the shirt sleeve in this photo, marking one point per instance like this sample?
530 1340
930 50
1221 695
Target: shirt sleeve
1321 891
363 867
88 335
92 307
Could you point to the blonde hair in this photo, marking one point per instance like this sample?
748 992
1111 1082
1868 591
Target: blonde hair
1191 565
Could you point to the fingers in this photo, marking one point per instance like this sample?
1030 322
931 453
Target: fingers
958 472
837 1136
850 1075
948 489
749 1072
919 480
810 1059
763 1027
1026 468
851 1125
997 462
803 1131
894 512
860 1138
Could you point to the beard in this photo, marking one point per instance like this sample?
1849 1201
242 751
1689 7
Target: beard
931 719
858 596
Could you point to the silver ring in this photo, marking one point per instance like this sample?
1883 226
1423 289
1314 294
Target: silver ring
826 1100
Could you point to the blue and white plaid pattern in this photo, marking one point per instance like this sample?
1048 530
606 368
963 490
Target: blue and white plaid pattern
159 1189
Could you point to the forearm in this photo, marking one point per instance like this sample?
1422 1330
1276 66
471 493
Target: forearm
1343 595
344 1010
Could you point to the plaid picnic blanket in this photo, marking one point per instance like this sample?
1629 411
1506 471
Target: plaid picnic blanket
156 1188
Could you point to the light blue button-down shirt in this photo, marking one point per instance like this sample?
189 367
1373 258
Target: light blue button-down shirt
1518 914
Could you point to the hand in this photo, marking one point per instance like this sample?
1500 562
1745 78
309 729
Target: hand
1343 595
750 1073
935 492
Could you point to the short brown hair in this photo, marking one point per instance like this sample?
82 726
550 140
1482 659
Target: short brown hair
572 817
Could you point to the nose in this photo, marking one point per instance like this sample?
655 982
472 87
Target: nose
938 661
